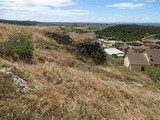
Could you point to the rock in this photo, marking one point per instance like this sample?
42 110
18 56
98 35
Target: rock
46 47
6 71
136 84
21 85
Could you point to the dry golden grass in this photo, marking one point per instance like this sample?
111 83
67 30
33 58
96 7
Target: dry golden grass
64 87
82 37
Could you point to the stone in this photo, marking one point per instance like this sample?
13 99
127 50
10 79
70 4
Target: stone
136 84
21 85
6 71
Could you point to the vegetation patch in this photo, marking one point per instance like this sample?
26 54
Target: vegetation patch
60 38
153 72
18 46
157 36
43 44
92 50
128 32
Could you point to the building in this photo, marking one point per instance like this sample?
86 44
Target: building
114 51
153 56
138 61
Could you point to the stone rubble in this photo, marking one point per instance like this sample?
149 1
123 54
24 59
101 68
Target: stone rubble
21 85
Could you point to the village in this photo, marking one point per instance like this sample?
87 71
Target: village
136 54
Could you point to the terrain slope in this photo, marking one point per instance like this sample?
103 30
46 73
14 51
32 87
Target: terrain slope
65 88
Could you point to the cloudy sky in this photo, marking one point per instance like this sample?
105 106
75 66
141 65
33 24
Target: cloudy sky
81 10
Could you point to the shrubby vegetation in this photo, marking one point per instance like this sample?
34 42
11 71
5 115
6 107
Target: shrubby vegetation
60 38
157 36
92 50
18 45
153 72
128 32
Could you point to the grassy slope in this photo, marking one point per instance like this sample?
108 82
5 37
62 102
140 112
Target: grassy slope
64 87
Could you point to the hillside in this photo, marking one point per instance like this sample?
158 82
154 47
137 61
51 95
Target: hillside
129 32
89 26
63 87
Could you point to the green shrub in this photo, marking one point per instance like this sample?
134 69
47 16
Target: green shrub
98 56
157 36
92 50
114 55
153 72
61 38
18 44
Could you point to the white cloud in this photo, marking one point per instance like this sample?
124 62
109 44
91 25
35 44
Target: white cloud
55 3
71 12
126 5
147 18
38 8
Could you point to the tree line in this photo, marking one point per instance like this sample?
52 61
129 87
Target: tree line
129 32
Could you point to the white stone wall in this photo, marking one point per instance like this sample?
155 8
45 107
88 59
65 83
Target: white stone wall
126 62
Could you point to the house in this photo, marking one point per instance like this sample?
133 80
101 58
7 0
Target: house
124 48
119 43
114 51
136 61
153 56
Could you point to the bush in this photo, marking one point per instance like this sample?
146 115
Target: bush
157 36
18 44
61 38
153 72
92 50
114 56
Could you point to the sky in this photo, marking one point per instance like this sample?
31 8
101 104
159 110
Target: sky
96 11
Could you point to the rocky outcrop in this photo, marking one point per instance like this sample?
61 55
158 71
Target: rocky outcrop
21 85
61 38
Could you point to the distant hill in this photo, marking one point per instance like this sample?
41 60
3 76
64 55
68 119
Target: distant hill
128 32
19 22
74 24
149 24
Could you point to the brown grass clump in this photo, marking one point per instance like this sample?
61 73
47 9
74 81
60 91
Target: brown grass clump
7 88
82 37
66 88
